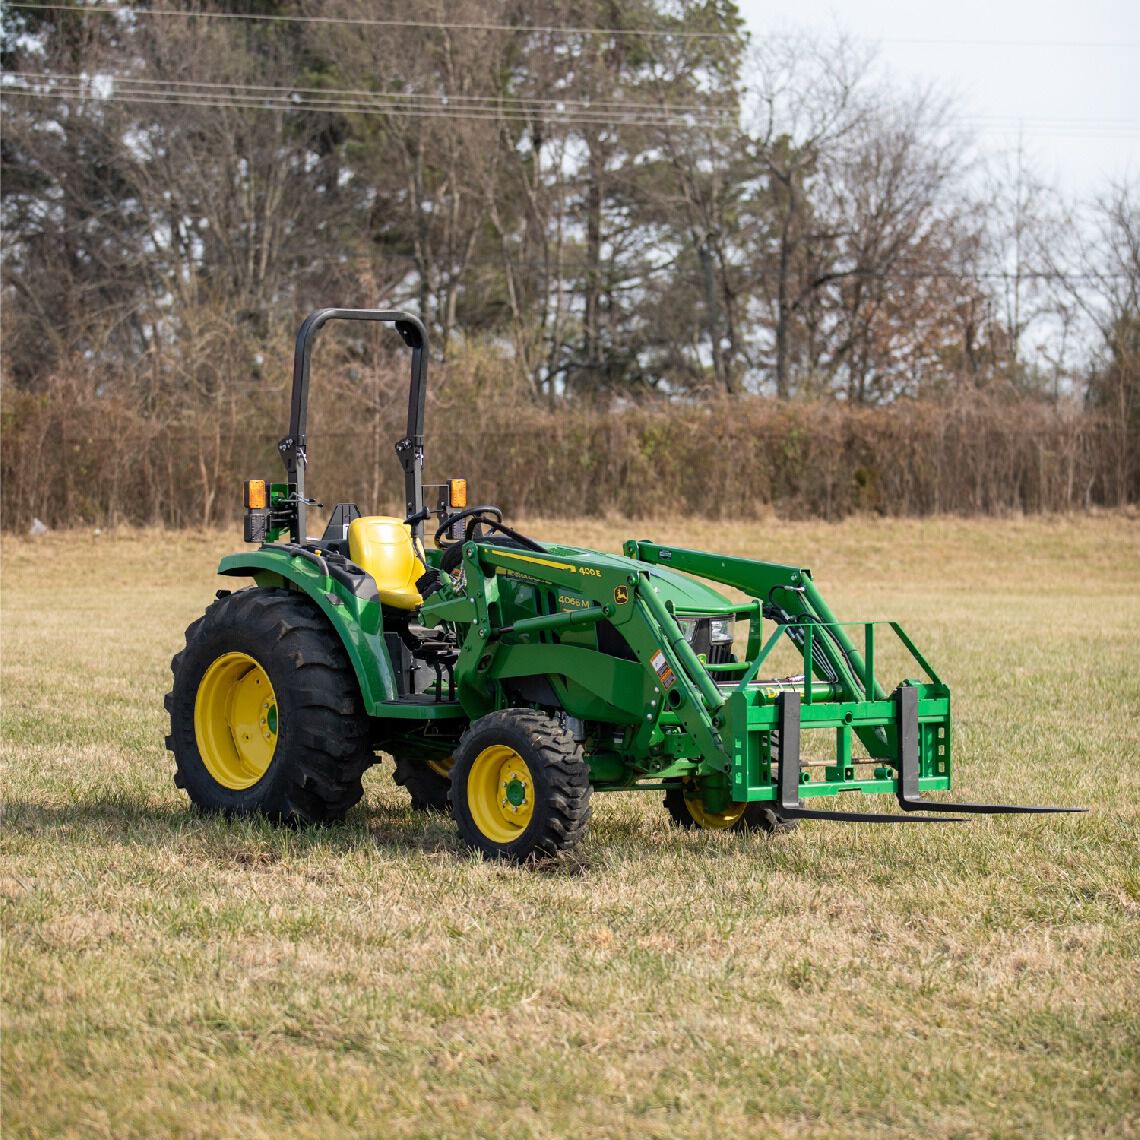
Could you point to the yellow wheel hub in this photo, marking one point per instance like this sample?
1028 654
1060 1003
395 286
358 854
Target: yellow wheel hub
441 767
500 793
714 820
235 721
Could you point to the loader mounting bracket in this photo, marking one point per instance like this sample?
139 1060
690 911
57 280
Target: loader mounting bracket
788 804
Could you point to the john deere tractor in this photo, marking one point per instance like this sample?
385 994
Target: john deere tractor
511 679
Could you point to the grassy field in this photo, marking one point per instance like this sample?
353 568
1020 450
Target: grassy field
170 974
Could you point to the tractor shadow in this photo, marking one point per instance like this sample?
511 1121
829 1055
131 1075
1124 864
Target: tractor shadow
115 819
122 821
433 833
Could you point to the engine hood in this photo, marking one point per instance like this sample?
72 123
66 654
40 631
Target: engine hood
684 592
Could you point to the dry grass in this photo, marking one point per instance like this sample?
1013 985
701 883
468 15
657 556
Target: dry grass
169 974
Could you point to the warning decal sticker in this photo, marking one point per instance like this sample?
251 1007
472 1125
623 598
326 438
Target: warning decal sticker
661 666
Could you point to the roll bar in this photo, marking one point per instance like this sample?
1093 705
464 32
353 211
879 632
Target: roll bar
410 449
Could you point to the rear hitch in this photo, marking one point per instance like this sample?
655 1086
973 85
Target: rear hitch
788 804
908 795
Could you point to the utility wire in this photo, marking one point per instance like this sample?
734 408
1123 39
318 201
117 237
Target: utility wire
492 110
556 29
955 41
569 105
359 108
570 111
374 22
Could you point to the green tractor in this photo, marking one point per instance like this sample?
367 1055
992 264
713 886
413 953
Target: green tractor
510 678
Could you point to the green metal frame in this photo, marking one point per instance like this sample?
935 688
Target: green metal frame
668 715
674 716
357 621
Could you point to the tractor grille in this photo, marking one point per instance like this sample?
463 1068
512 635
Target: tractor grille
699 633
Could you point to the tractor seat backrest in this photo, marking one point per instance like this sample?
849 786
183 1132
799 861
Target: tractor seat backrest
383 547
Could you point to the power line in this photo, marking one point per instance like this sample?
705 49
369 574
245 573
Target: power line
291 100
490 109
569 105
562 104
160 97
955 41
270 104
368 21
555 29
1070 120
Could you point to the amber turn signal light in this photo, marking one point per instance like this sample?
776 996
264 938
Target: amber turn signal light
457 493
256 497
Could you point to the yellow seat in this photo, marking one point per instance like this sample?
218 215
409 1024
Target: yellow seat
383 547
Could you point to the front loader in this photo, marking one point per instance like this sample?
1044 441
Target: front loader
510 678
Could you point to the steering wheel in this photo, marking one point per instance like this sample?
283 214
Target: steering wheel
476 516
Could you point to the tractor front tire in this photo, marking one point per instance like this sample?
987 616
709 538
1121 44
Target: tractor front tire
687 810
266 716
520 788
428 782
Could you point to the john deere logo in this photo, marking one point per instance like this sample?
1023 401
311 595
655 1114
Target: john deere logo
621 595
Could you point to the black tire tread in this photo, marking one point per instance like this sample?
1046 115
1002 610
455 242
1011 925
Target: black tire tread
323 780
566 817
756 817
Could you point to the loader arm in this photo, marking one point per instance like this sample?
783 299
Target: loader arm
665 674
664 715
674 718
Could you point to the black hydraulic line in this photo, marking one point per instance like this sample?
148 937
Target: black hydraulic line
794 627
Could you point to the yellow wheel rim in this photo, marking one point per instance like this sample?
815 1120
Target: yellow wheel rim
500 793
235 721
714 820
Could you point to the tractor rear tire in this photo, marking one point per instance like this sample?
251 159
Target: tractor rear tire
266 716
428 782
690 813
520 788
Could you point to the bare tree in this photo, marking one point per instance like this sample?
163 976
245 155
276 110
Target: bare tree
1102 280
1022 224
692 181
430 164
806 100
886 193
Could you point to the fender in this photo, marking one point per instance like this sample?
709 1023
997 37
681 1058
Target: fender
354 614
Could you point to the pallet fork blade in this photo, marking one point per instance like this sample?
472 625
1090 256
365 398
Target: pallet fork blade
786 811
908 794
788 804
984 809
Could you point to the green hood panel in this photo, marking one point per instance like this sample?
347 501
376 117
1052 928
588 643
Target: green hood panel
684 592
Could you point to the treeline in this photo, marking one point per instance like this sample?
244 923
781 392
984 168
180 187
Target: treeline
597 207
70 457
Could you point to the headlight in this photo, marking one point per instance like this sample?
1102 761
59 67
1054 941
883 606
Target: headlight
720 629
688 627
706 630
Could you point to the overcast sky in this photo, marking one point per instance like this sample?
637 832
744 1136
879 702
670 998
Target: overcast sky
1067 73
